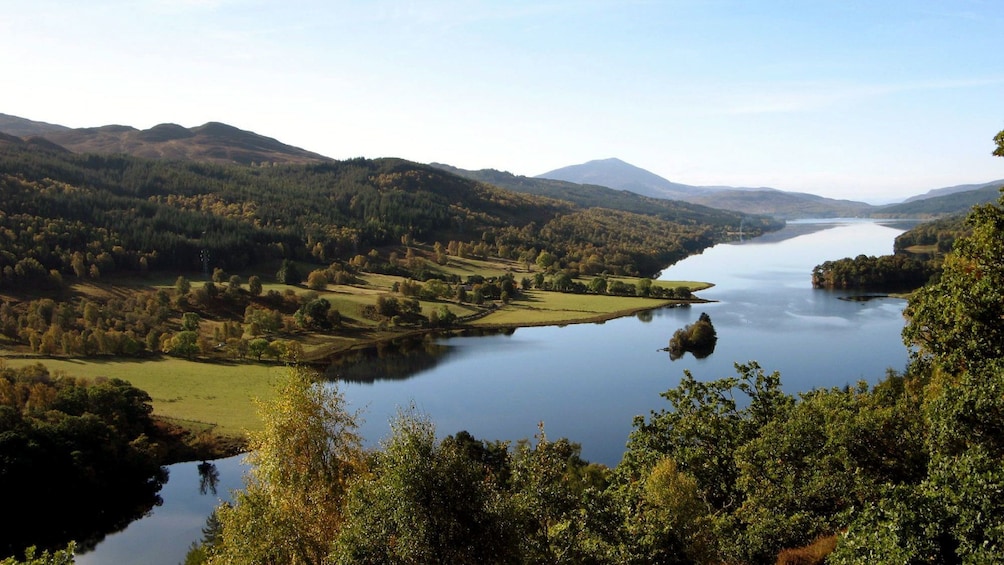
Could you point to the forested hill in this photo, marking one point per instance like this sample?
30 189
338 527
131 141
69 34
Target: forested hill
88 214
958 202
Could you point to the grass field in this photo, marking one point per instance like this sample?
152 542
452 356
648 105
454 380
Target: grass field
539 308
193 394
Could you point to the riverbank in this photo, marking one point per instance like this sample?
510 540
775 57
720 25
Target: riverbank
214 400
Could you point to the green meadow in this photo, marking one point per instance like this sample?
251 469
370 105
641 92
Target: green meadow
196 395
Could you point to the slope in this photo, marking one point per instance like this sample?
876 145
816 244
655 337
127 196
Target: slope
66 212
946 204
954 189
21 127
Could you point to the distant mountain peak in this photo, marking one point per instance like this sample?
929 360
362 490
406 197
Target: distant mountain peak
164 132
612 161
616 173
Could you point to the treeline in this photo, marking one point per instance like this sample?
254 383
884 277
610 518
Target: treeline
228 317
89 215
886 272
221 318
932 239
917 257
731 471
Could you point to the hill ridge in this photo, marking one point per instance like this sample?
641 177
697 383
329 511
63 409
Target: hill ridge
212 141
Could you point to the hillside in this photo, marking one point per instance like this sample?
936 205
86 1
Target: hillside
21 127
947 203
68 212
781 203
617 174
954 189
590 196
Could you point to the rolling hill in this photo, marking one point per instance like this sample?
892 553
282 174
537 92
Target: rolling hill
21 127
947 203
954 189
607 183
120 213
212 142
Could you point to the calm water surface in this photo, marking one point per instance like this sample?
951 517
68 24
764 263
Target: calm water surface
587 382
164 536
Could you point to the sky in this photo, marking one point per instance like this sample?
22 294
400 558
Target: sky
858 99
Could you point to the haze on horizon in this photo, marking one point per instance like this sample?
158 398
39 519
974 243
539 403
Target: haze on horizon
872 101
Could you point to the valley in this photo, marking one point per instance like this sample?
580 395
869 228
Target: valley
192 273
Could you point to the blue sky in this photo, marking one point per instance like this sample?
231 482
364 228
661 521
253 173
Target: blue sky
868 100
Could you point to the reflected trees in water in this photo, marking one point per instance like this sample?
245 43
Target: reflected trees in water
209 477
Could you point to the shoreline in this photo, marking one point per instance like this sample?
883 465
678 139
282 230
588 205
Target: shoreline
316 357
231 442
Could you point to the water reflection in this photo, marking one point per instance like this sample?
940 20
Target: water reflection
588 381
398 359
401 359
209 476
87 513
165 531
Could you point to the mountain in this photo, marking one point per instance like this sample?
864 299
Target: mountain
21 127
617 174
955 189
949 202
597 196
213 142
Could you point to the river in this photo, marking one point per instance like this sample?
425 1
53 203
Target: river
587 382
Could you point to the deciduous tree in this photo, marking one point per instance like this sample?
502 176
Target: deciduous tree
302 462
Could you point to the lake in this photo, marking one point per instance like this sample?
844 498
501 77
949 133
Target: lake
587 382
165 534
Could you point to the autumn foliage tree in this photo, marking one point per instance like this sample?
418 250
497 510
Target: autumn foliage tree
302 463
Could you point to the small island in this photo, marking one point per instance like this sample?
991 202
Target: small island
698 338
